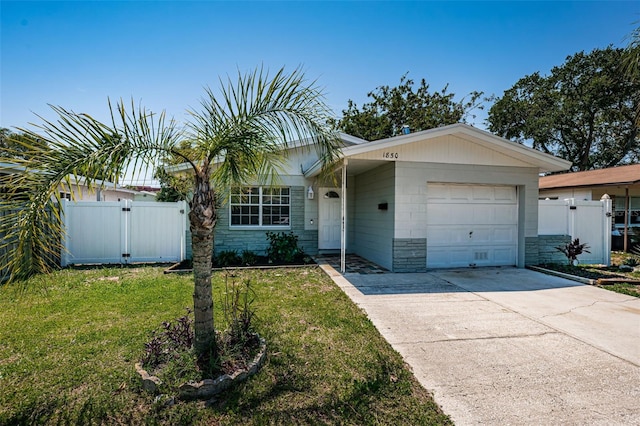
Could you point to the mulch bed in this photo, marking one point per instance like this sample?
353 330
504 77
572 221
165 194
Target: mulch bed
261 263
601 275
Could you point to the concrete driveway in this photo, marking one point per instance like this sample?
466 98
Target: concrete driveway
510 346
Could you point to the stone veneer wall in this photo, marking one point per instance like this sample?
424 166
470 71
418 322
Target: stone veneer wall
225 238
409 254
531 251
547 252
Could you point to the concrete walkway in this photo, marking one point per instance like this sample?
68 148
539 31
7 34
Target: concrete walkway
510 346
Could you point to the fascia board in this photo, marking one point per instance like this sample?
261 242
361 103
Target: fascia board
544 162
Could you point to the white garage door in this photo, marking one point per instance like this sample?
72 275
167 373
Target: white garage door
471 225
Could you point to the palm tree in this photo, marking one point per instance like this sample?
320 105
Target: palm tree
237 136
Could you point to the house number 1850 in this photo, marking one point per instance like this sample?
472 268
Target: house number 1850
390 155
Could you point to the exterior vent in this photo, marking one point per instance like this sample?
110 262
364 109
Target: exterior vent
481 255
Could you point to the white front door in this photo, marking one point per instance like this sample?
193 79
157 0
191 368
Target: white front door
471 225
329 218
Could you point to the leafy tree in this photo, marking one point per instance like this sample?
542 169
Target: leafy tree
391 108
632 63
235 137
583 111
174 188
16 145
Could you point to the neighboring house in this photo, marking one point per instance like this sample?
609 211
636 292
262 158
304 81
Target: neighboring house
78 190
453 196
621 183
145 193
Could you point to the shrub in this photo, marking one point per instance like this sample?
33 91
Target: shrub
228 258
249 258
631 261
283 247
573 249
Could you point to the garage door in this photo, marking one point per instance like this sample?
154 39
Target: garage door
471 225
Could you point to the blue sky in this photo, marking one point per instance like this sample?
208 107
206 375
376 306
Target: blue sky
77 54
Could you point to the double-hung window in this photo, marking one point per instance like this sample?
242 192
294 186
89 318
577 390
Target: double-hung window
260 206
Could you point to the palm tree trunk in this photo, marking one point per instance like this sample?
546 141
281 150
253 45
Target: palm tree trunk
203 219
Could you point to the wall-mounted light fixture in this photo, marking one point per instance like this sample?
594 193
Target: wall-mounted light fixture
310 193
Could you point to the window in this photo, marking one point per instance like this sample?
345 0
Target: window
260 206
619 208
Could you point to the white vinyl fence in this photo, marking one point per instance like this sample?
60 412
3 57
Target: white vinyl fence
123 232
590 221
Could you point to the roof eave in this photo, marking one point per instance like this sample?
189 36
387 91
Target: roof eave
544 162
591 185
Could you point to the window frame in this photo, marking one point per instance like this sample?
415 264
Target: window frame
261 206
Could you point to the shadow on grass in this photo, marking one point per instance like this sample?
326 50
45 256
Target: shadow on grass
373 400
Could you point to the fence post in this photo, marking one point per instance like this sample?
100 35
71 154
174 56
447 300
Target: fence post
182 206
125 246
606 223
64 247
572 220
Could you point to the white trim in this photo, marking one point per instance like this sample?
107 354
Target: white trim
544 162
260 205
343 220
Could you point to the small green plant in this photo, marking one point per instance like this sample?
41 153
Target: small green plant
249 258
573 249
631 261
228 258
283 247
238 314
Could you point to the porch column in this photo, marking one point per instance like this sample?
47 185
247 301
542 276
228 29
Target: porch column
343 214
627 214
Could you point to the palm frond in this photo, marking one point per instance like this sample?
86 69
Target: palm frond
249 126
76 149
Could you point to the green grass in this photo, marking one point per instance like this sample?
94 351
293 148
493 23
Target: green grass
624 288
68 345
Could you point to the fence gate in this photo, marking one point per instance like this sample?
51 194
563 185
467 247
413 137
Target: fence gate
590 221
123 232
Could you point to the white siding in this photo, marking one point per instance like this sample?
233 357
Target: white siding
448 149
563 194
374 228
82 193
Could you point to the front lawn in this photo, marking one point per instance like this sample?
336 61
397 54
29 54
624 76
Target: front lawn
69 343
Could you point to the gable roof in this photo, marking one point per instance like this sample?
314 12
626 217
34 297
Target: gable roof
621 175
480 138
